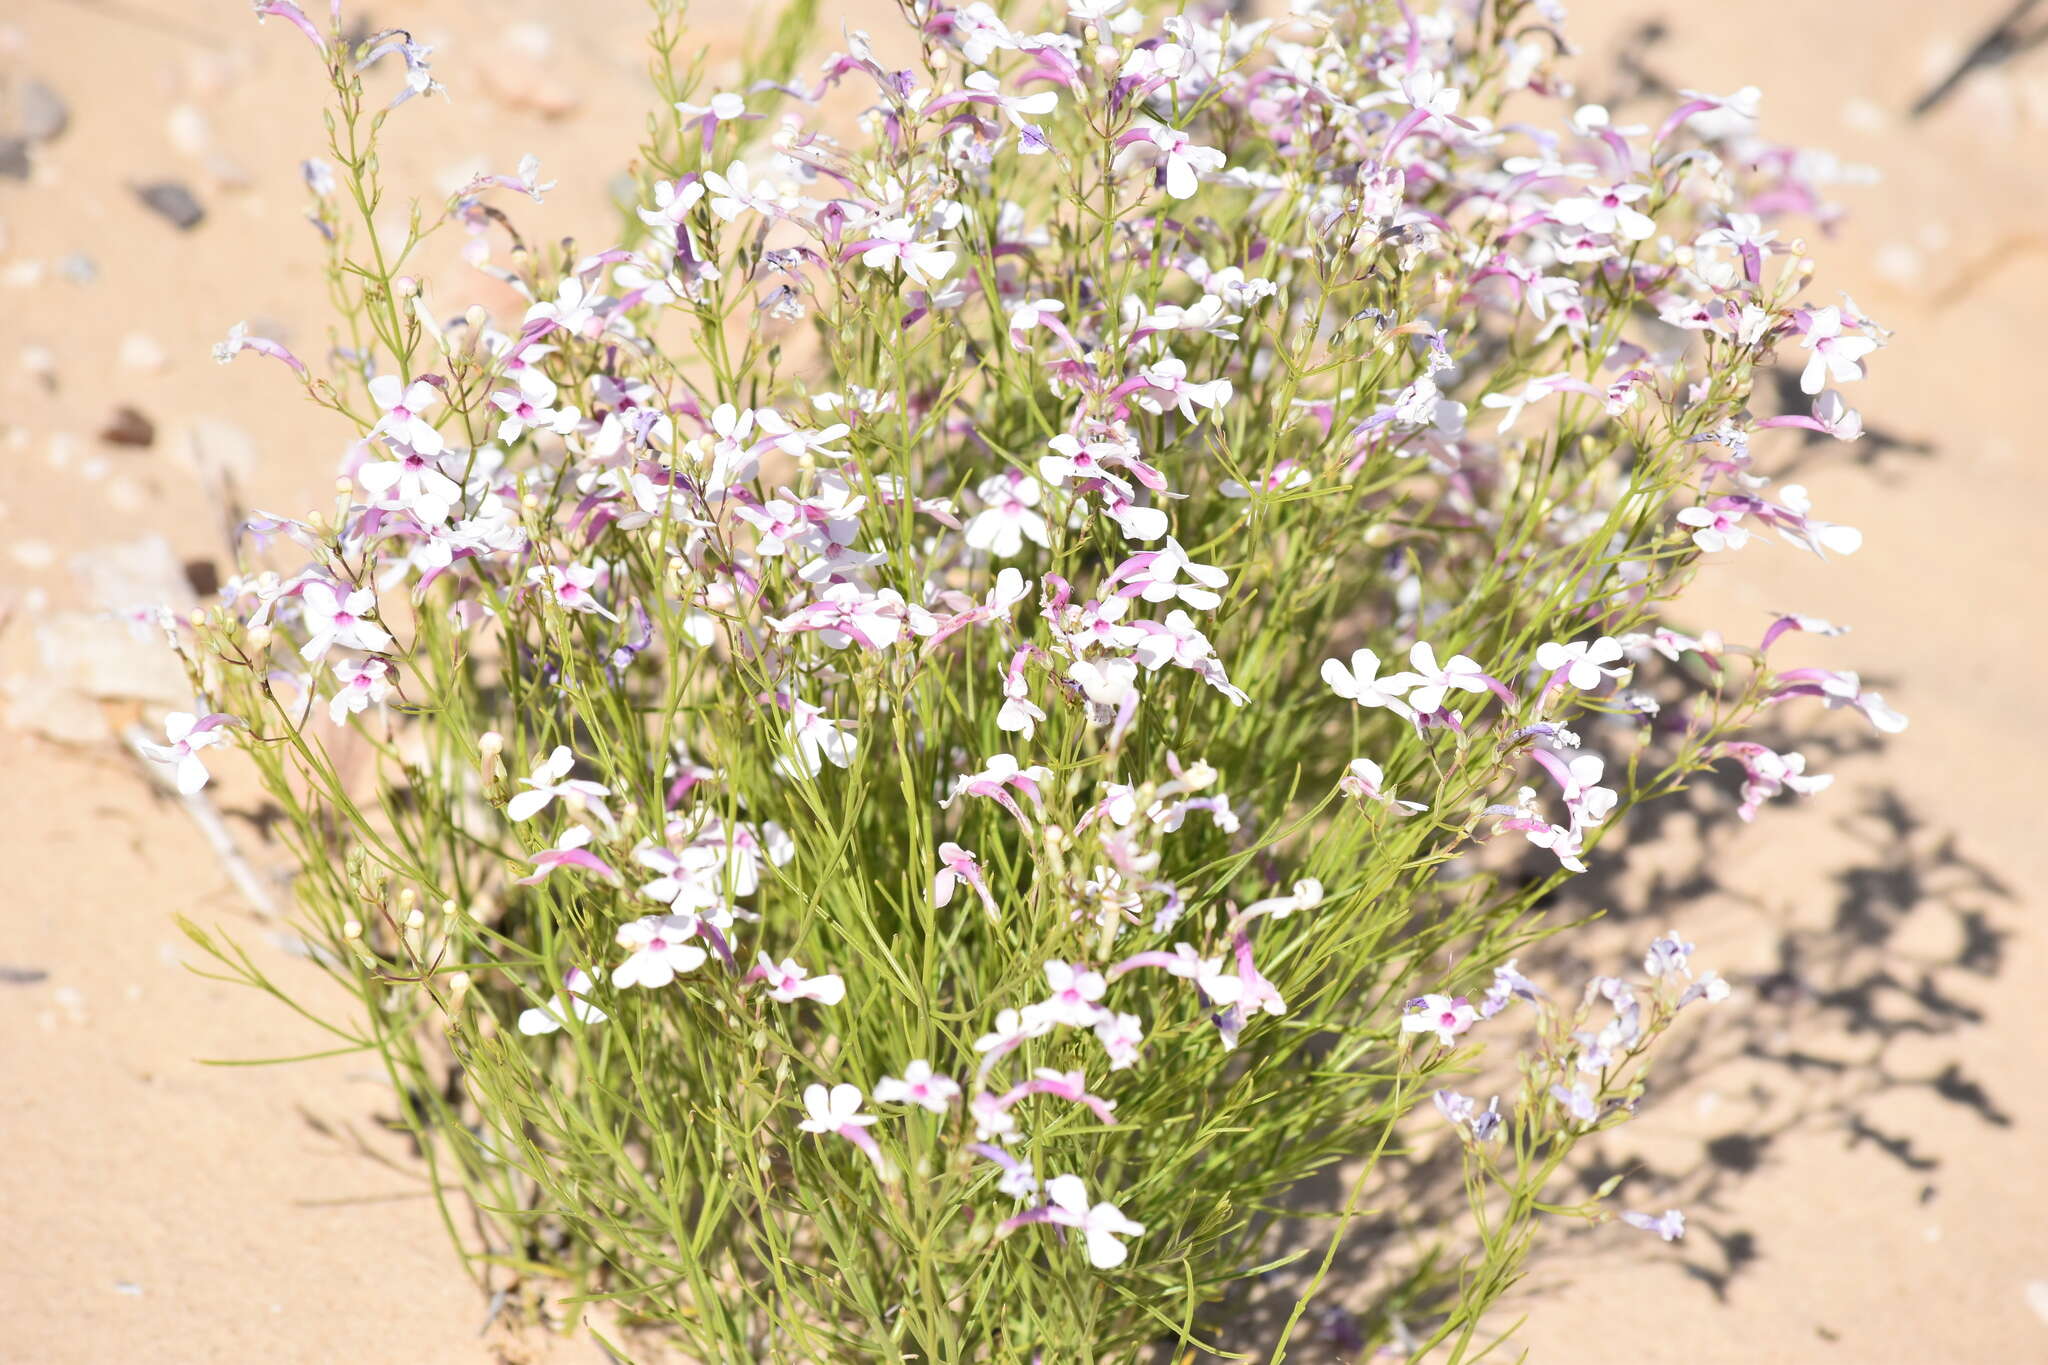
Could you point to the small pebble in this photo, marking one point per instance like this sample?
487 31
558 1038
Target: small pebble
44 114
14 158
139 351
189 131
128 1287
78 268
2037 1298
40 363
21 976
128 427
171 200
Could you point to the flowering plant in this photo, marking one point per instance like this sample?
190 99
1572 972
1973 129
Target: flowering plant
914 746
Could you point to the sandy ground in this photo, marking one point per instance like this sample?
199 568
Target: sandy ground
1859 1136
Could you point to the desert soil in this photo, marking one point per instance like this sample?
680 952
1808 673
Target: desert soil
1859 1136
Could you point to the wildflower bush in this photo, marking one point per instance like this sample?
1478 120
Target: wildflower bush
896 763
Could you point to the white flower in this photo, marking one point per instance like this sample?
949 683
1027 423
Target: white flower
919 1086
1361 682
662 951
550 1017
187 734
1100 1226
833 1109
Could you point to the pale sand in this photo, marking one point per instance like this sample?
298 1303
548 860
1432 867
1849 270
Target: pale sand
252 1236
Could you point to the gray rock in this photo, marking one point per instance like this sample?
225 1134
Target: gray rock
170 199
44 114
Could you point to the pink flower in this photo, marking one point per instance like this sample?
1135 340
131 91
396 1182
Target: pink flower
1155 575
1010 516
550 1017
1765 773
1363 779
1426 693
1001 772
550 780
788 983
403 406
1836 355
920 1086
1583 663
334 617
1075 991
362 683
1445 1016
1121 1035
570 585
186 734
838 1111
661 951
569 851
895 244
1182 162
957 864
1609 211
1100 1225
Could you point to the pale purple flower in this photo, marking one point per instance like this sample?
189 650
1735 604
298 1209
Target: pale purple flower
1508 986
1670 1224
895 243
1578 1101
1668 954
1009 516
1182 161
1121 1036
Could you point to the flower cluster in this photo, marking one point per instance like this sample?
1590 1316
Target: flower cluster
841 573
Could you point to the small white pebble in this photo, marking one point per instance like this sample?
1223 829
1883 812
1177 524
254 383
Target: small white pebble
1864 115
34 554
2037 1298
140 351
